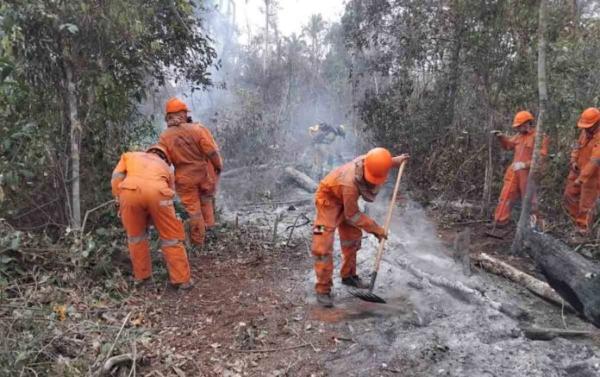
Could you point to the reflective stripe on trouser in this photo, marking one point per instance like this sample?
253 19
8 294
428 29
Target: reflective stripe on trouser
350 241
580 201
208 210
136 208
200 210
322 249
197 228
177 261
515 184
139 253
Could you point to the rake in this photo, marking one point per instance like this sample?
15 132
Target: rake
368 295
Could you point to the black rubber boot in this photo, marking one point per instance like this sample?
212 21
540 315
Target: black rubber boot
355 281
325 300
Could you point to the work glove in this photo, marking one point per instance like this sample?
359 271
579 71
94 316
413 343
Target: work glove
398 160
380 234
578 182
574 167
519 166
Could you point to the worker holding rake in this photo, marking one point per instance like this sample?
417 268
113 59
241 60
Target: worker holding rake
336 204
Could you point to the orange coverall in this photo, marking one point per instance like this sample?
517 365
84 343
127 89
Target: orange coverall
580 200
143 182
515 182
336 202
197 161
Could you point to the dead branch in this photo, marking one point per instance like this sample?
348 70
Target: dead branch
114 361
535 333
471 295
272 349
232 173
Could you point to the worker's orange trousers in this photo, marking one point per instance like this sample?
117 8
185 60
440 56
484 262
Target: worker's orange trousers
515 185
198 200
580 201
136 208
329 217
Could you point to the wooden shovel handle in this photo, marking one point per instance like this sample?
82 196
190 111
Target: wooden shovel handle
388 218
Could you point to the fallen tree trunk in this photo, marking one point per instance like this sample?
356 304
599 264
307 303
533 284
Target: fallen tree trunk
301 179
575 278
535 333
237 171
536 286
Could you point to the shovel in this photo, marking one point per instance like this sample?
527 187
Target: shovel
368 295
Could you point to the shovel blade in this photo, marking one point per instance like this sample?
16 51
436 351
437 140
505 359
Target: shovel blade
366 296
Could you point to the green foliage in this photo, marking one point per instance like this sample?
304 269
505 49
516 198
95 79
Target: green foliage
107 56
435 77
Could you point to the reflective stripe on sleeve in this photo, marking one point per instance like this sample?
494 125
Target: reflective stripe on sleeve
166 203
118 175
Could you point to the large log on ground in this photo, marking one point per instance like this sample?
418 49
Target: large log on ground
536 286
574 277
301 179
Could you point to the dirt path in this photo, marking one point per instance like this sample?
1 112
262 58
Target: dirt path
246 314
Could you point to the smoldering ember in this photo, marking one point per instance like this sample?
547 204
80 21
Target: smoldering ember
299 188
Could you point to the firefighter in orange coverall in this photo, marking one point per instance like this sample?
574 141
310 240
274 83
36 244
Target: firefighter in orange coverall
142 184
336 203
583 182
197 161
515 178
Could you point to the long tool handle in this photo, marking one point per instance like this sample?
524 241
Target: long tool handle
386 225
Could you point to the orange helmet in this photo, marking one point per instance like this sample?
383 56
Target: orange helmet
162 149
589 117
522 117
378 163
175 105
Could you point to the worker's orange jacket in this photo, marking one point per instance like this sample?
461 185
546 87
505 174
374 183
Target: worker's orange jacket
142 170
523 144
194 153
343 187
586 153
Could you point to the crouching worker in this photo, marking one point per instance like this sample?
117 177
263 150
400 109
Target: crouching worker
336 203
142 184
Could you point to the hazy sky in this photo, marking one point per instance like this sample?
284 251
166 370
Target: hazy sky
293 14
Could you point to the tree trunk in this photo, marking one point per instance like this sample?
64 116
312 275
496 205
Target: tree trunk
523 227
489 172
75 142
266 53
573 277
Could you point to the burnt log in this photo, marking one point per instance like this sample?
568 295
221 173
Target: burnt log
573 277
301 179
540 288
